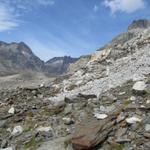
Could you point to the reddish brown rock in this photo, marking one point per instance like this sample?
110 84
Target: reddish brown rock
92 132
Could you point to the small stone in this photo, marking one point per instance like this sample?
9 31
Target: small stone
147 135
67 121
42 85
4 144
11 110
17 130
139 87
107 109
121 117
123 140
132 98
68 109
148 102
44 129
44 132
142 106
120 132
147 127
57 101
2 123
122 93
100 116
40 96
133 120
102 108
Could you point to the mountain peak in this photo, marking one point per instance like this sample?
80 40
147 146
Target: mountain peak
142 23
59 65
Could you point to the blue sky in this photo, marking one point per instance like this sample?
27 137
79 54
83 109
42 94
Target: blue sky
67 27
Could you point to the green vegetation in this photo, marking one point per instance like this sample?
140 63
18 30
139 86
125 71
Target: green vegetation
32 144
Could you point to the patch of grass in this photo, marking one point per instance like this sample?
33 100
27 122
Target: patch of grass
30 114
127 102
32 144
117 147
53 111
148 92
3 131
29 125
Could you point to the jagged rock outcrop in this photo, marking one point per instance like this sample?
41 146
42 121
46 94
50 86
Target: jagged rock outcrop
59 65
139 24
79 64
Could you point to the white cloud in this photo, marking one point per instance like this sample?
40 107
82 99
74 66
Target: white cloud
7 21
95 8
128 6
11 11
46 2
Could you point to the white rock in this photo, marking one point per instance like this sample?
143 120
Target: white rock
148 102
142 106
147 127
100 116
133 120
132 98
42 85
102 108
139 86
17 130
44 129
57 101
122 93
107 71
8 148
67 121
11 110
107 108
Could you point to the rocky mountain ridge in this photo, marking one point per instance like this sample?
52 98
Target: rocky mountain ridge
18 58
103 105
59 65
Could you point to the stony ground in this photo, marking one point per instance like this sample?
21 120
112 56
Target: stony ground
120 117
27 79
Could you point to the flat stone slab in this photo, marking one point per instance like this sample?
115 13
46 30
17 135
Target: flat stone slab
92 132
